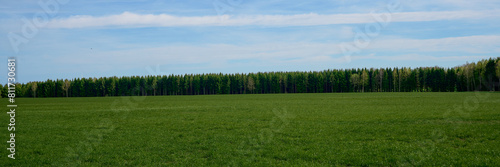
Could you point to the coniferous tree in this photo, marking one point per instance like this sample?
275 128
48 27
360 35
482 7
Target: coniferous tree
470 76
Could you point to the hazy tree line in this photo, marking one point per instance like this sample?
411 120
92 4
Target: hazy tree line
483 76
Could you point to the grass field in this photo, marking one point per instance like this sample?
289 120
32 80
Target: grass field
355 129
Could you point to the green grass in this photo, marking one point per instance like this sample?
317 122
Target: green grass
355 129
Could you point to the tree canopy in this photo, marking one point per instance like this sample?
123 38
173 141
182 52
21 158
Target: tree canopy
481 76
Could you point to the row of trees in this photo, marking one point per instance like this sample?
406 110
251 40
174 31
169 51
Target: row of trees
483 75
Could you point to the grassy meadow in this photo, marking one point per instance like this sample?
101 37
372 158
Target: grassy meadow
340 129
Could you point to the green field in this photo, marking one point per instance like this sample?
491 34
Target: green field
354 129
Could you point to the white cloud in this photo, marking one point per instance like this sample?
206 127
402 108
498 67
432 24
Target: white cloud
283 56
128 19
470 47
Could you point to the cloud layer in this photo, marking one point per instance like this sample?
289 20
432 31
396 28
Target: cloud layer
295 53
129 19
93 39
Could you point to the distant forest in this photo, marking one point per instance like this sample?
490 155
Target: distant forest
480 76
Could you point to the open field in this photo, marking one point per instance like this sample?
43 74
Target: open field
354 129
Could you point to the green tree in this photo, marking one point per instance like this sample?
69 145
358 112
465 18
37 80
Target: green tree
498 71
489 74
112 86
250 84
332 81
34 87
102 86
470 76
479 73
2 91
395 79
355 80
154 85
380 79
364 79
66 86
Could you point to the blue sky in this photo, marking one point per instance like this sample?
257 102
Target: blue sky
138 37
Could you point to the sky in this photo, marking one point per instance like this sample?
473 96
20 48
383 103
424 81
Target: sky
68 39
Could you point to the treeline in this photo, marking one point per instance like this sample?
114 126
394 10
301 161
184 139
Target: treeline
481 76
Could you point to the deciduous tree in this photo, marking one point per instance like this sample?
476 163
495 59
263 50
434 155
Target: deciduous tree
364 79
66 86
355 81
34 86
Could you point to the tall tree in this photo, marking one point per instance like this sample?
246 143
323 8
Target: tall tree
250 84
102 86
489 74
66 86
2 91
498 72
112 86
364 79
355 81
479 73
332 82
34 86
469 74
395 79
154 85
